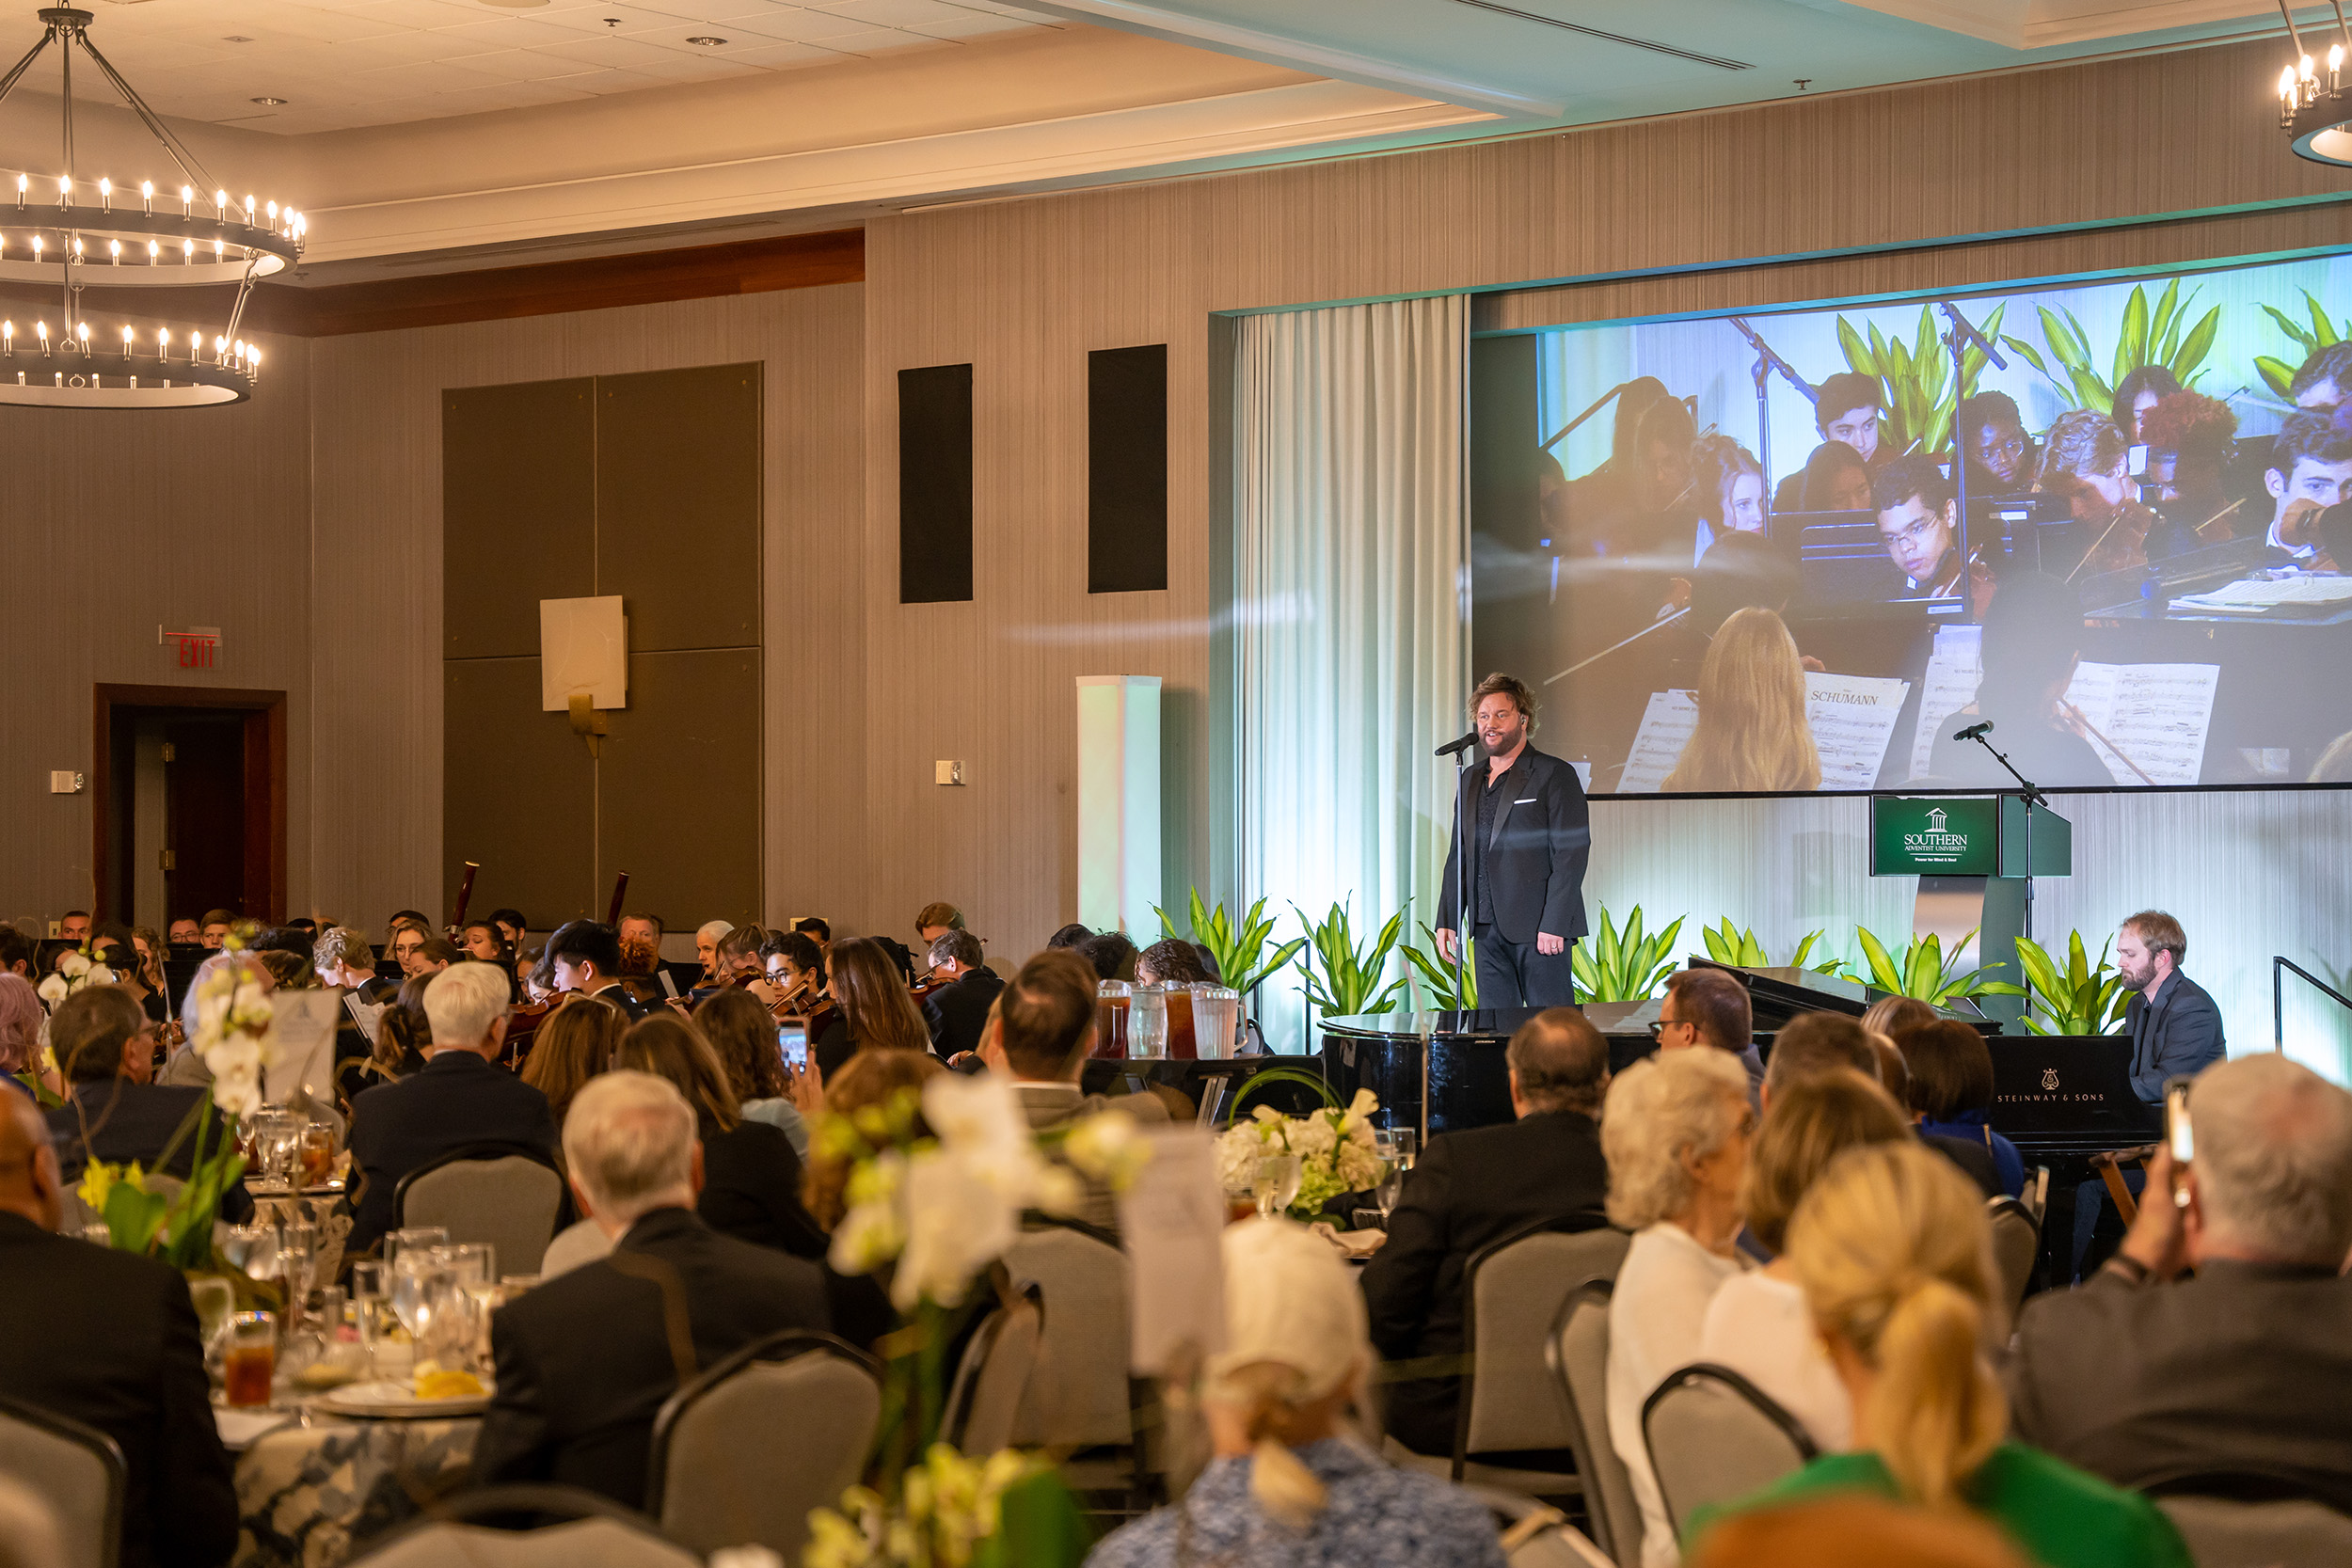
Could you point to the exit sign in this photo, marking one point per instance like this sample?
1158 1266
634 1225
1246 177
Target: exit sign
1936 836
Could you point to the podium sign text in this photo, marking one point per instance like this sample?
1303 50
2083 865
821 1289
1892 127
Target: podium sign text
1934 836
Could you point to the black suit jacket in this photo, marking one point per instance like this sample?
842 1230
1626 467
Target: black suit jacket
752 1190
455 1099
585 1361
128 1121
2178 1036
1469 1189
1543 836
2242 1369
957 1011
109 1340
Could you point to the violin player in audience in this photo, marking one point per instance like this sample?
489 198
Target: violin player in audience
936 920
956 1007
707 937
872 1008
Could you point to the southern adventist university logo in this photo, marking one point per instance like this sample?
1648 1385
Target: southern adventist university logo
1938 843
1936 818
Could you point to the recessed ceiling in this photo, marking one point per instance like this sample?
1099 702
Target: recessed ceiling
340 64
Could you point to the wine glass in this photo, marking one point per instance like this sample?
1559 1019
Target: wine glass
1404 1140
418 1236
1277 1183
420 1287
1390 1187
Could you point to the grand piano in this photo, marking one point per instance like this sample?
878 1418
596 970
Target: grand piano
2060 1099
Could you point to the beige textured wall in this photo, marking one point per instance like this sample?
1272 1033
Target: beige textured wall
377 460
111 524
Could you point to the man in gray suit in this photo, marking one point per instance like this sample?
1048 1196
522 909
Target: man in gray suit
2147 1374
2174 1027
1039 1035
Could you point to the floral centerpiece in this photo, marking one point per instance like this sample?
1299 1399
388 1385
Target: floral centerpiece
1334 1144
232 1032
938 1212
76 968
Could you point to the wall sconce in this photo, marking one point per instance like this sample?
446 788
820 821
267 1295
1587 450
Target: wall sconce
584 663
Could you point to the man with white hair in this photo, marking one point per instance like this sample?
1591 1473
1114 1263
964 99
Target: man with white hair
2147 1374
461 1097
585 1361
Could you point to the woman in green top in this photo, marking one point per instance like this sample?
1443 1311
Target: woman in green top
1893 1254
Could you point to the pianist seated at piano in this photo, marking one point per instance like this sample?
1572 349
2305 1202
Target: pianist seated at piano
2174 1027
2212 1343
2032 640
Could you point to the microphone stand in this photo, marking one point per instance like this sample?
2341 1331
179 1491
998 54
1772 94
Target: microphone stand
1465 832
1766 363
1597 405
1960 340
2031 794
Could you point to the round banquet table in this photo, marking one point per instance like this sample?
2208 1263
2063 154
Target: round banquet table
307 1497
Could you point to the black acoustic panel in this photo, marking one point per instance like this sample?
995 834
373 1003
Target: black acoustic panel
518 509
678 808
519 795
936 484
1127 469
677 465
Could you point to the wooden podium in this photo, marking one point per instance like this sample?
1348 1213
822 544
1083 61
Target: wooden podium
1976 858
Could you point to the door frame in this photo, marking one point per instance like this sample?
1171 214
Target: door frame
264 809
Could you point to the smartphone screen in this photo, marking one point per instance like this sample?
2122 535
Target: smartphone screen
2136 461
792 1041
2176 1128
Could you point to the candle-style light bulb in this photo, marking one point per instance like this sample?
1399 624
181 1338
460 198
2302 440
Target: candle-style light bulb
105 195
77 248
253 358
8 339
22 184
163 342
187 252
187 200
154 253
272 209
113 248
65 190
37 249
248 207
147 194
85 336
43 327
220 203
216 250
126 343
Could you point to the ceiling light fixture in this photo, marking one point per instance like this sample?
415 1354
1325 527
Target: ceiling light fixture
2312 113
268 102
197 235
708 42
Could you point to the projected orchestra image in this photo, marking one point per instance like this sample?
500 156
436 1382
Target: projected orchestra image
1733 562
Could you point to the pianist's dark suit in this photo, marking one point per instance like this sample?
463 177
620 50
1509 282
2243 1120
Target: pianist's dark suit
457 1099
2178 1036
1469 1189
2240 1370
585 1361
1527 877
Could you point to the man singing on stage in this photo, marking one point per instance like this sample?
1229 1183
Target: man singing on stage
1532 836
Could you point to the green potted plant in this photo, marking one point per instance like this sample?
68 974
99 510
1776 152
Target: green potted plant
1618 965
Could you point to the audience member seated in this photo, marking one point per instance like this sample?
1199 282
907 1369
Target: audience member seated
1757 1324
584 1362
457 1097
1707 1007
744 1035
585 957
114 1110
1041 1037
1676 1128
1172 963
1854 1531
751 1187
1812 1043
1473 1188
1288 1481
109 1338
1893 1254
873 1011
20 1031
1111 954
957 1010
1951 1088
872 1079
2147 1373
572 1045
1071 935
1889 1014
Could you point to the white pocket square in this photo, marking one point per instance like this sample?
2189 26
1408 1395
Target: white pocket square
1528 801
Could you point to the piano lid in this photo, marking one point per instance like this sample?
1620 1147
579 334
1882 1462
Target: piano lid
1779 994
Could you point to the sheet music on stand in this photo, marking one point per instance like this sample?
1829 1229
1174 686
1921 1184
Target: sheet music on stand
368 1016
1852 719
2156 714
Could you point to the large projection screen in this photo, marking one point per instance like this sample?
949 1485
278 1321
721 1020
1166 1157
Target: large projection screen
2131 575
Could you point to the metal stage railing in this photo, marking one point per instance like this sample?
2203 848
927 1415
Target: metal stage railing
2279 996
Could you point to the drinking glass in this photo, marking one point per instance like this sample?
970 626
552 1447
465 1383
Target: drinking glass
251 1361
419 1286
297 1265
1277 1184
252 1248
276 1136
469 1263
1147 1024
317 1153
416 1236
1404 1140
216 1302
1113 1001
371 1305
1386 1191
1216 1017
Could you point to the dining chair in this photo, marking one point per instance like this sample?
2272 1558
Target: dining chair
1713 1436
984 1401
506 1196
563 1527
76 1469
1577 1349
1079 1402
744 1452
2016 1242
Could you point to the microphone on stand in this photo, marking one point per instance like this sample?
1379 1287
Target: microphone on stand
1453 748
1974 730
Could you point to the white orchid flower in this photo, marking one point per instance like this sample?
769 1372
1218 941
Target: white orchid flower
98 975
73 965
1108 1147
53 989
957 1223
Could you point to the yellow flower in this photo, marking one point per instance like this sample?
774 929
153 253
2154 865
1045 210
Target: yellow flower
96 1180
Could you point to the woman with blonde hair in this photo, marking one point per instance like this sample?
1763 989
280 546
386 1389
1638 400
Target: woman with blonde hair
1674 1130
1894 1257
1286 1483
1757 1325
574 1044
1752 732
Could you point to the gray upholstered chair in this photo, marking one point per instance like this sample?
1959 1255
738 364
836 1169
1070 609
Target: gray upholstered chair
2222 1533
506 1196
1578 1349
742 1453
984 1401
2016 1242
76 1469
575 1529
1713 1436
1512 1292
1080 1401
1537 1535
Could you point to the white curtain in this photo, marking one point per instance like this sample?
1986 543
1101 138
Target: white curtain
1351 613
